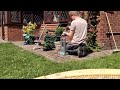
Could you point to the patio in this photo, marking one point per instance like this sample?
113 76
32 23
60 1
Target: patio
56 57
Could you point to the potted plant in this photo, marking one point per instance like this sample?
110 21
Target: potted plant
48 42
58 32
27 33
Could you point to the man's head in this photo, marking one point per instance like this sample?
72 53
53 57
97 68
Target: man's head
74 14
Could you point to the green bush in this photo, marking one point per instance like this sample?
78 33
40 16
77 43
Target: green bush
48 42
59 30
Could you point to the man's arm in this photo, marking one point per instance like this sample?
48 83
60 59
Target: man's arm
72 30
70 34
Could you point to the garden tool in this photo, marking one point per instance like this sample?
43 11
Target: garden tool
116 48
40 38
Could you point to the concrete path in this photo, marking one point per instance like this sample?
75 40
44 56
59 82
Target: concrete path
85 74
2 41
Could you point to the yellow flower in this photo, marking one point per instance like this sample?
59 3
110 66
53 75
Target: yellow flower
29 28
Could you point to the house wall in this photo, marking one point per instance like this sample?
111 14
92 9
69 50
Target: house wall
104 41
13 30
14 33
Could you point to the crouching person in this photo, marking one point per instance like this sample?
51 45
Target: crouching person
77 34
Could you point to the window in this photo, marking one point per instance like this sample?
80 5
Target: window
56 16
24 17
15 16
32 16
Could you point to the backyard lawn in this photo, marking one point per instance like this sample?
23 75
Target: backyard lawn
16 63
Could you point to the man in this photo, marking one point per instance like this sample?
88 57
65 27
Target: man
78 31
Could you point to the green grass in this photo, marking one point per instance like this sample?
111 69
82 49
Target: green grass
16 63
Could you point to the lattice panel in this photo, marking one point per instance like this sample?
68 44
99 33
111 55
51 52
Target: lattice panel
14 16
56 16
48 16
64 16
33 16
26 15
56 13
38 19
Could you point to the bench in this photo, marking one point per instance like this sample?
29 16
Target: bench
50 27
38 32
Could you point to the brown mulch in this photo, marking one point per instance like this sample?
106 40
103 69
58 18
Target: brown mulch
54 55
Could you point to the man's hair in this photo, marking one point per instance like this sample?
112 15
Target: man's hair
74 13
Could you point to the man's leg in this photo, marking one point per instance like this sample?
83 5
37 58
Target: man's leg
71 49
82 50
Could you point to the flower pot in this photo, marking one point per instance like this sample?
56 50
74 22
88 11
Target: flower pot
57 45
28 39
